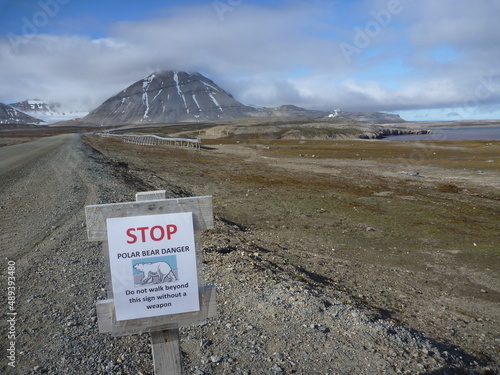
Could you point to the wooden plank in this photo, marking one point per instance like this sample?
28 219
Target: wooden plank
150 195
108 324
152 139
96 215
166 352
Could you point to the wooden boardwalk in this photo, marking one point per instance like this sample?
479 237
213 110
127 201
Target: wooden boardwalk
154 140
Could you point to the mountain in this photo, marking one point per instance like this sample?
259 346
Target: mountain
33 105
177 96
372 117
48 112
10 115
364 117
293 111
169 96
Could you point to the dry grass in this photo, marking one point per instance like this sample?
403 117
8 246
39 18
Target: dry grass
419 213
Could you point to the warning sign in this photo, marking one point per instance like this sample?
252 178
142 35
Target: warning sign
153 265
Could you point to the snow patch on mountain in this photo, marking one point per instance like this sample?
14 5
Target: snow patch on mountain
215 101
179 91
145 87
159 92
208 85
196 102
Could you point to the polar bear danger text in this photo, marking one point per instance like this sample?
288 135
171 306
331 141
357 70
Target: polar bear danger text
146 253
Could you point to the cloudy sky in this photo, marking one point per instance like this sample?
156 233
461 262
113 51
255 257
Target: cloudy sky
422 59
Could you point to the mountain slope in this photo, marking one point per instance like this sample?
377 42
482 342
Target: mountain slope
34 105
372 117
48 112
294 111
10 115
169 96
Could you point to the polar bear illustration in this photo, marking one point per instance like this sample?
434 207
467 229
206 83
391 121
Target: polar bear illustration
150 270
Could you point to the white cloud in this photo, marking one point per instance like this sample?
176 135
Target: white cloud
254 43
255 52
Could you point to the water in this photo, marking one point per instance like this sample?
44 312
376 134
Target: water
472 133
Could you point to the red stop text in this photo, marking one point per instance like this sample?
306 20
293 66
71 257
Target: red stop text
156 233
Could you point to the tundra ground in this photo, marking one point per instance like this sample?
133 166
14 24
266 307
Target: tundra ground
329 256
409 228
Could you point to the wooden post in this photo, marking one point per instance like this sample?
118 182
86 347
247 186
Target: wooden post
165 344
166 352
164 329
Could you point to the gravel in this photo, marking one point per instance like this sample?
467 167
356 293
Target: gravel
273 317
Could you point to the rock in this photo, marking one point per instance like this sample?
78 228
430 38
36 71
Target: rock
323 329
215 359
277 369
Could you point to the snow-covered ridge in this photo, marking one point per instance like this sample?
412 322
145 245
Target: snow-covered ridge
36 104
47 112
10 115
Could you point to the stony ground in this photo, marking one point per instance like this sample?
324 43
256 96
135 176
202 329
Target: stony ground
311 287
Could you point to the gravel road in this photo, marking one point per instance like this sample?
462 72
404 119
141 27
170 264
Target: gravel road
270 321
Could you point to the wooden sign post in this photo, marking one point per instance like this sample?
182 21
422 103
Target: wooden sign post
154 274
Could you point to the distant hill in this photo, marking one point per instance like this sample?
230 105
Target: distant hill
293 111
11 115
372 117
48 112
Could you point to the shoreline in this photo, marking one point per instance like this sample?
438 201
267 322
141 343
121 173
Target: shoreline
449 124
462 133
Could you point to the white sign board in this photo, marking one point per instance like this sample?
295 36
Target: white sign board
153 265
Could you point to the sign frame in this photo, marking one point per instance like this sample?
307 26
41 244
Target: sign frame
152 203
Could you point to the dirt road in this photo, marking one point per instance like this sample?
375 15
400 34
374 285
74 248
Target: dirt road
44 187
279 312
37 181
